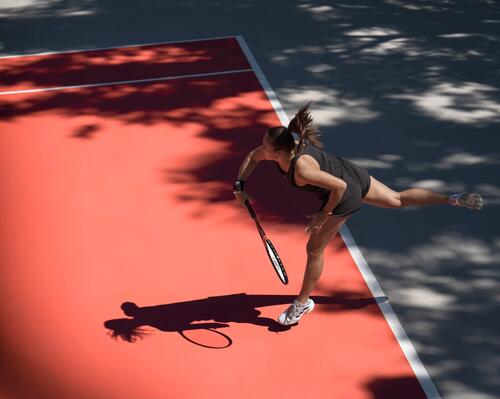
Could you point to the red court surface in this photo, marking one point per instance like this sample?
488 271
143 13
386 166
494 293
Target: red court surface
122 193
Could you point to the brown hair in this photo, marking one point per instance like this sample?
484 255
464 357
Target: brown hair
302 124
282 138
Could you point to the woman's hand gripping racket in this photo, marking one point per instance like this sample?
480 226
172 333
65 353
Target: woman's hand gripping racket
271 251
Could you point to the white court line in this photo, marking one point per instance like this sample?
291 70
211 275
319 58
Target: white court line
116 47
263 81
391 318
122 82
393 321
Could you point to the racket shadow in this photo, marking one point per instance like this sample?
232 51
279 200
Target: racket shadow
217 312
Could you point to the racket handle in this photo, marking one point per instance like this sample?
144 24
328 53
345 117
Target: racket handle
250 209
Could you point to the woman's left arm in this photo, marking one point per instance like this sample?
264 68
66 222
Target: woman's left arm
308 171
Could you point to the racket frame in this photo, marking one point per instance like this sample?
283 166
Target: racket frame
268 245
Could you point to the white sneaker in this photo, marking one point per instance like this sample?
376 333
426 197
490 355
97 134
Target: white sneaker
471 201
295 311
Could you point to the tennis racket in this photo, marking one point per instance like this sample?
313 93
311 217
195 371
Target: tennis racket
271 251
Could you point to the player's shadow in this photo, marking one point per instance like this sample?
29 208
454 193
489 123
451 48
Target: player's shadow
218 311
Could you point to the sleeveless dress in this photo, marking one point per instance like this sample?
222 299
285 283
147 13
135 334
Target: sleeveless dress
357 179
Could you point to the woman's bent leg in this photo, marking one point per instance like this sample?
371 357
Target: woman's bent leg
315 255
315 249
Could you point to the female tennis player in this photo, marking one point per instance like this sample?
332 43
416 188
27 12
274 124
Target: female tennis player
341 186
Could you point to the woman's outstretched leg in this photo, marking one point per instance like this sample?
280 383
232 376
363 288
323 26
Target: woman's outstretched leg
382 196
421 197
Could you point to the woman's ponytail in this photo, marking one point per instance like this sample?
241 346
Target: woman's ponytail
302 125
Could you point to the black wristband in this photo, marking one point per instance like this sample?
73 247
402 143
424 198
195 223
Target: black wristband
238 186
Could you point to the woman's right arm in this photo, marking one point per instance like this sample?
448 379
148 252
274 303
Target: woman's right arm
246 168
249 163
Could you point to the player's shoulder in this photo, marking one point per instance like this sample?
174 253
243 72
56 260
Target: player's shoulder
306 162
258 154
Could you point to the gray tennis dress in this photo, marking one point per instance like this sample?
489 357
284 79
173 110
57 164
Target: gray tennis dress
357 179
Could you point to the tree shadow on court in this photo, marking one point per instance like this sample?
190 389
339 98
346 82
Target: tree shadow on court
372 69
230 109
220 311
121 65
407 88
400 387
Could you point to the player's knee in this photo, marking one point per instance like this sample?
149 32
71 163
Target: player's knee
395 200
314 251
